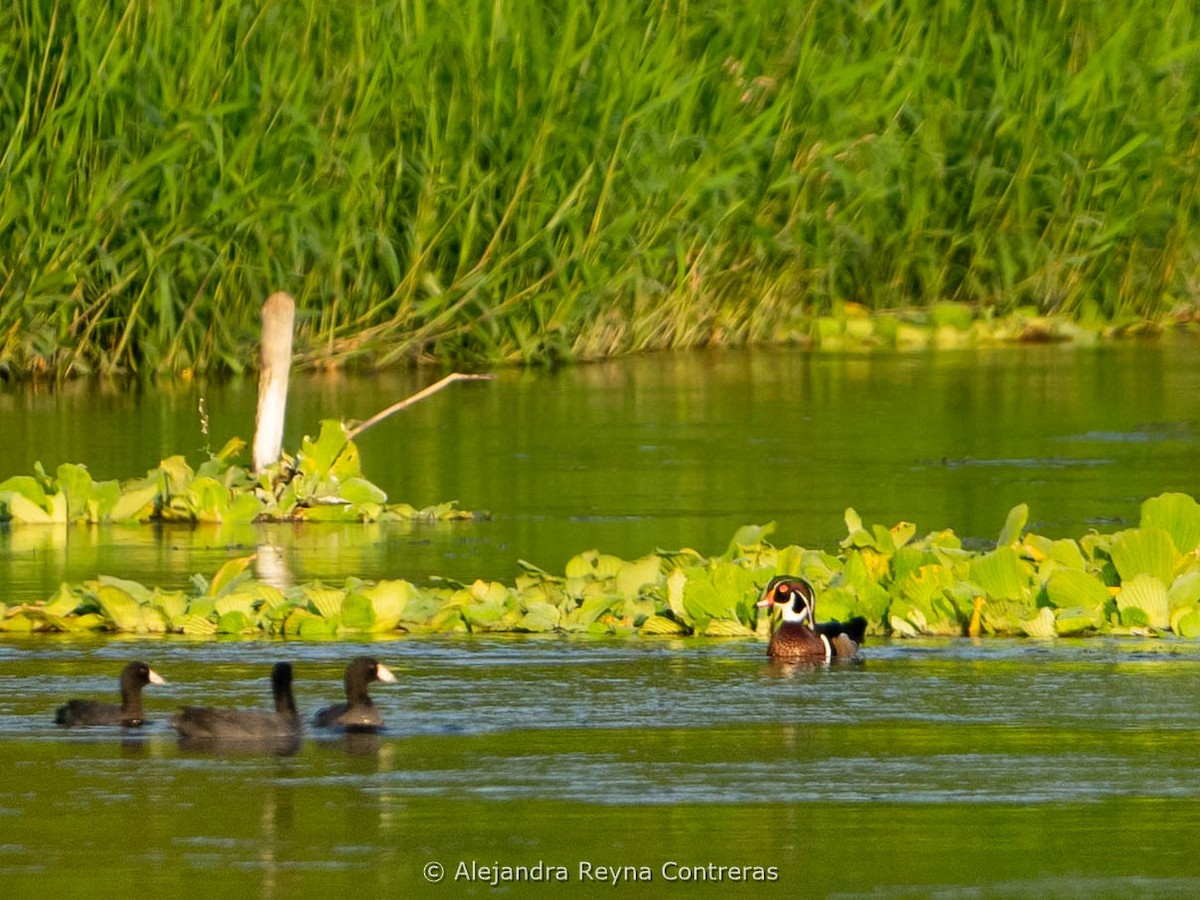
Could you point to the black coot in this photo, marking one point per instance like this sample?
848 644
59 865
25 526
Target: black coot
242 724
134 677
358 713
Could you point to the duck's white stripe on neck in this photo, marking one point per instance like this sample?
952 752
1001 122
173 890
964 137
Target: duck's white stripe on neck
828 648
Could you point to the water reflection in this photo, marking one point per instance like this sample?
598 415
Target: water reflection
658 451
277 745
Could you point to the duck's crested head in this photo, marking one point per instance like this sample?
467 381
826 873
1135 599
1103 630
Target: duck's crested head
793 595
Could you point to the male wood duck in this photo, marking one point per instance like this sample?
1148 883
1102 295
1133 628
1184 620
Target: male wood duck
799 637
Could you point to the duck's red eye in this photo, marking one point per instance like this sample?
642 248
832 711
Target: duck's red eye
782 589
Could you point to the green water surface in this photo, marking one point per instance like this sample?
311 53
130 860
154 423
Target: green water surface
653 452
1006 769
933 768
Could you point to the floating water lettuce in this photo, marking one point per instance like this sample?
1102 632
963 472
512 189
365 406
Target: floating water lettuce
1136 581
323 482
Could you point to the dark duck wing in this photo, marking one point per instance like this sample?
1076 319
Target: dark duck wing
844 637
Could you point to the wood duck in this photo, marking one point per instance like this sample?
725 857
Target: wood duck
799 637
358 713
134 677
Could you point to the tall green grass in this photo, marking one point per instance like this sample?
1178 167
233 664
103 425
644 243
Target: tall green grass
523 180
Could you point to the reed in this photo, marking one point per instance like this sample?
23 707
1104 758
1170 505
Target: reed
522 181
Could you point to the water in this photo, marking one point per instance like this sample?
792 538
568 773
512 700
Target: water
947 768
655 452
933 768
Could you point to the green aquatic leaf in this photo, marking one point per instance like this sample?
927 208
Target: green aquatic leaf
1074 588
198 625
1010 534
358 612
126 613
1001 574
317 627
244 508
920 587
1184 590
632 576
661 625
1078 620
172 604
327 602
231 573
593 564
1041 625
64 602
178 474
25 512
1144 597
358 491
135 504
1149 551
389 599
135 589
748 537
1066 552
1005 617
347 465
236 622
1178 515
421 607
588 612
237 601
22 623
727 628
539 617
75 482
327 512
317 457
1185 621
26 486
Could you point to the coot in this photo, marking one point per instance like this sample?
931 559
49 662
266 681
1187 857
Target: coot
244 724
129 713
358 713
